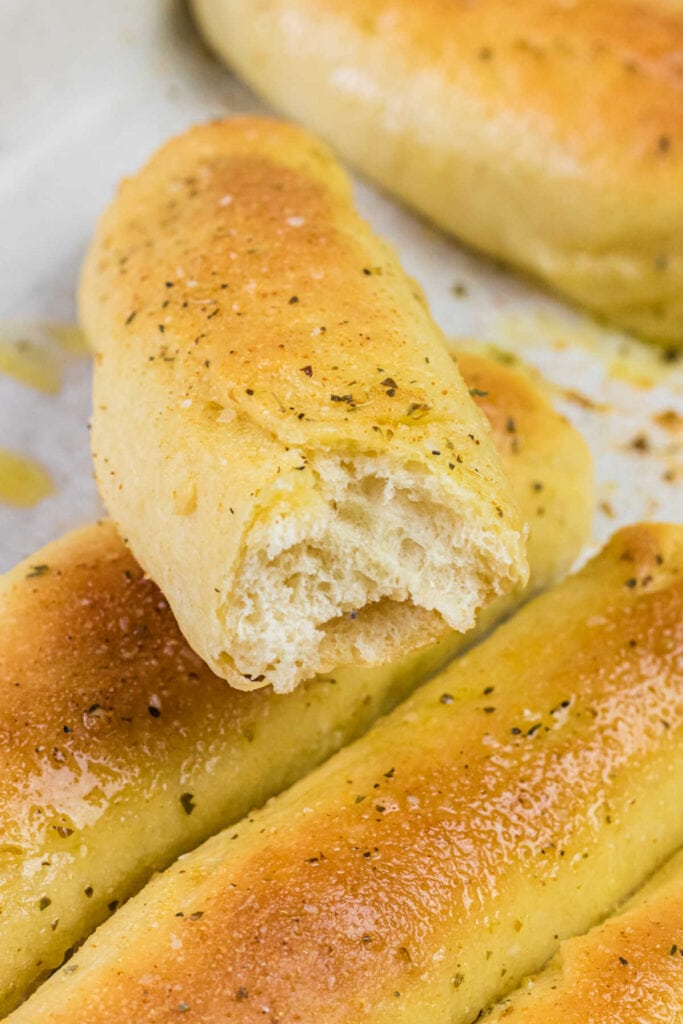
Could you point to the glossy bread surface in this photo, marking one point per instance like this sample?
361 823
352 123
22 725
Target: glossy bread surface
630 968
544 132
424 870
120 749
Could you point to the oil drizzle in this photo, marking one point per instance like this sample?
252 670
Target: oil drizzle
31 364
69 338
23 482
36 353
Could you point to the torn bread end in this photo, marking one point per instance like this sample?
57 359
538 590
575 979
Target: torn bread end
375 559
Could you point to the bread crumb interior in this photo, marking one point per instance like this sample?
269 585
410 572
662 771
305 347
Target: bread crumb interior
380 561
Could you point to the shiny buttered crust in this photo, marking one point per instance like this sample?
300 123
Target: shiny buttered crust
545 133
629 969
424 870
123 750
279 430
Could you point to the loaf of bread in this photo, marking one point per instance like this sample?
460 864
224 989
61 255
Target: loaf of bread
121 749
427 868
547 134
279 431
628 970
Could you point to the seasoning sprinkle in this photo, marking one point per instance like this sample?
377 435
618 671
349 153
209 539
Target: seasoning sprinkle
187 802
416 410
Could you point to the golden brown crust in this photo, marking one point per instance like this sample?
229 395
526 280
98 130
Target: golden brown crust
628 969
547 463
99 694
529 58
108 717
546 133
511 802
245 320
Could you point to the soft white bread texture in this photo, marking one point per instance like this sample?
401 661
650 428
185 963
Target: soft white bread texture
279 430
424 870
122 750
628 970
546 133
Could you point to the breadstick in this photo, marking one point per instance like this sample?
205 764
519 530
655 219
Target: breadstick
425 869
547 134
134 752
628 969
278 428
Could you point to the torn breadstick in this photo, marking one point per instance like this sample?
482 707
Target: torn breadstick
279 430
123 744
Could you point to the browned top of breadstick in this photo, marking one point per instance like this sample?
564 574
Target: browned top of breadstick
529 59
432 864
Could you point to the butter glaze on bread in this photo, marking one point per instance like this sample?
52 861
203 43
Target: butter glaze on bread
628 970
546 133
424 870
121 749
279 430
